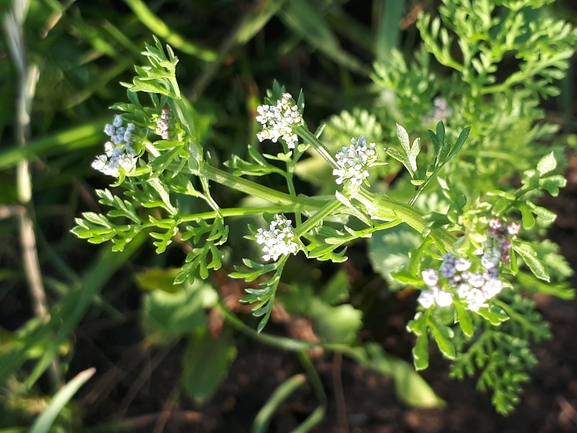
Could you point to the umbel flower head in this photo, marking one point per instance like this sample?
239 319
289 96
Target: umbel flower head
475 289
278 240
280 121
354 160
118 152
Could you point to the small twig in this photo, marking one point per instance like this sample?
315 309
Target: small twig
142 421
131 358
166 410
339 394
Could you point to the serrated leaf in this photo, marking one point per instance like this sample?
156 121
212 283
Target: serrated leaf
529 256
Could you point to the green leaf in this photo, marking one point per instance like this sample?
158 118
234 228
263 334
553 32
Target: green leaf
158 279
421 352
167 316
336 324
495 315
410 387
552 184
528 219
442 335
545 214
464 319
389 250
206 363
459 143
403 137
546 164
529 256
302 18
337 289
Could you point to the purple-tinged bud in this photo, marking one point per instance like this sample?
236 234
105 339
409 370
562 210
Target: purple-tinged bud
513 228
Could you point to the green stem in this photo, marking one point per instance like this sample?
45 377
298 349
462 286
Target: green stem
330 208
252 188
313 376
306 135
240 212
284 343
292 191
383 208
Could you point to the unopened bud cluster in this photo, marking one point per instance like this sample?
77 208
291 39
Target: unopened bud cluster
162 123
354 160
118 152
280 121
278 240
455 277
439 113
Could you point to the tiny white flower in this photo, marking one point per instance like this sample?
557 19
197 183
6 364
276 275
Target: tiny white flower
280 121
462 264
476 279
443 298
430 277
354 160
463 290
513 228
475 299
492 288
278 240
426 298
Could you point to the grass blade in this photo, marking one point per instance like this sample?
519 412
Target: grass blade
283 391
48 415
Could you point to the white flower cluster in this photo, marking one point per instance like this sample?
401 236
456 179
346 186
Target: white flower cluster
354 160
474 288
278 240
162 123
280 121
118 152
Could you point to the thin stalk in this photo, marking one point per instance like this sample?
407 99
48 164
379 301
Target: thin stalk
383 208
27 79
284 343
241 211
306 135
252 188
330 208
